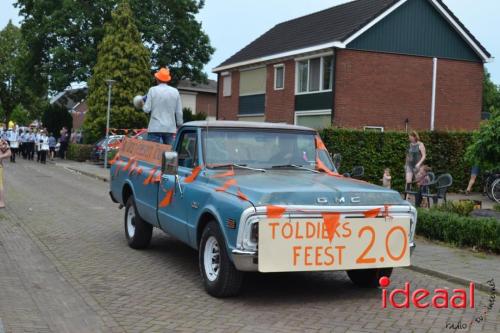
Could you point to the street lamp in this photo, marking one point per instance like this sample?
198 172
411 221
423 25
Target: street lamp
110 85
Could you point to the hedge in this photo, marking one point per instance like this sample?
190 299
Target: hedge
78 152
482 233
376 151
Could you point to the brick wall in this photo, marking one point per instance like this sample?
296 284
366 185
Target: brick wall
459 94
228 106
280 104
377 89
206 103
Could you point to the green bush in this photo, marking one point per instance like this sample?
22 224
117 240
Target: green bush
496 207
462 208
482 233
376 151
78 152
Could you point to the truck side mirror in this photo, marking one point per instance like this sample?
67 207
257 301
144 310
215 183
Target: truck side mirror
170 163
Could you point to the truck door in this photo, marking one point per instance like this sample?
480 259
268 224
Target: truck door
173 218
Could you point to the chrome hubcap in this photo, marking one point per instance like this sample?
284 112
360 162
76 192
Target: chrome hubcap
211 258
131 222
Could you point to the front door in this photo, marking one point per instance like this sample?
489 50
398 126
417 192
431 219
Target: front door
173 218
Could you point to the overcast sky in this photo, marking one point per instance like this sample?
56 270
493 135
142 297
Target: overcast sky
232 24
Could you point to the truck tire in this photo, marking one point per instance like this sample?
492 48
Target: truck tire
220 277
137 231
368 278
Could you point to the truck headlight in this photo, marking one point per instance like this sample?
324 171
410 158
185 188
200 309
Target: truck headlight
250 234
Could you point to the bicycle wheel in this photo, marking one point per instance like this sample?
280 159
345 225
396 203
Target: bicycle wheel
495 190
489 186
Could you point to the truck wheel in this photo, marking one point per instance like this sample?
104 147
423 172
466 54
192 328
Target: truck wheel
137 231
220 277
368 278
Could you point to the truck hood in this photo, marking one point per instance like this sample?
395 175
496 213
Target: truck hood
297 187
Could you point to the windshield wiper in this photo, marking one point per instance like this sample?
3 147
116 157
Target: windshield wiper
293 166
240 166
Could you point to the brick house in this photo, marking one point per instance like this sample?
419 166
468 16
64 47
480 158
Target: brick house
373 64
199 97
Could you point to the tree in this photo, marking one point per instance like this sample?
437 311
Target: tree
485 149
64 34
56 117
123 58
12 50
21 116
491 94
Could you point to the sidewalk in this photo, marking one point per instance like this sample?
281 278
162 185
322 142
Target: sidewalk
446 262
87 169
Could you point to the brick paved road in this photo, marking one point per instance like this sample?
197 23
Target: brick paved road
65 266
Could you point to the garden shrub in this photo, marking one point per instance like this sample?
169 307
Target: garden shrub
376 151
481 233
462 208
78 152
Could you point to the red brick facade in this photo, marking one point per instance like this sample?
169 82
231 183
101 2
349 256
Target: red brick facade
380 89
228 105
280 104
459 94
377 89
206 103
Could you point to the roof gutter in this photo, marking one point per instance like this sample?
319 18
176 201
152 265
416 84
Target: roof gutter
281 55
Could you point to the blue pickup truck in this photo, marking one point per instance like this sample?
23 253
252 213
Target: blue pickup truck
262 197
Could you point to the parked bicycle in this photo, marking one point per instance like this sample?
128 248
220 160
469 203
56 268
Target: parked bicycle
492 185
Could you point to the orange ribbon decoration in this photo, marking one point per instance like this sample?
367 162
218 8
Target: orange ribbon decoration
319 143
228 184
191 178
117 156
129 164
372 212
229 173
150 176
275 212
331 221
167 199
242 196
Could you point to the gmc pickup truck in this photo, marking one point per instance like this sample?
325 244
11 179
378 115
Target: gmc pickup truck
260 197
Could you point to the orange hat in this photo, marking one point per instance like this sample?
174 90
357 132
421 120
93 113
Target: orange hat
163 75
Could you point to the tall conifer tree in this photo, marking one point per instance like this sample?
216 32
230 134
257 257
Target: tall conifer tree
121 57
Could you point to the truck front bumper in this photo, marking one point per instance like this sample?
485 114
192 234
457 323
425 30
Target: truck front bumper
248 261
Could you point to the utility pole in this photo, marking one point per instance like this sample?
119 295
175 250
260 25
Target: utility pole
110 83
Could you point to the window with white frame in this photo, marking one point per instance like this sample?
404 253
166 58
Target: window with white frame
226 84
279 77
374 128
315 74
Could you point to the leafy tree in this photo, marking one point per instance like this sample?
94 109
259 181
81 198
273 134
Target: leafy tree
12 49
123 58
56 117
188 115
21 116
491 94
64 34
485 149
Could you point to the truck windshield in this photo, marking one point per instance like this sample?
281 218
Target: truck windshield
264 149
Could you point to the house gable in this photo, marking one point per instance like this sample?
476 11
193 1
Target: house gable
416 28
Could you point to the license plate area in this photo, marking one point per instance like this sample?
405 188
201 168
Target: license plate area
308 244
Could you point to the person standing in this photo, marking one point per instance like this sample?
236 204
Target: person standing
52 146
415 158
44 147
63 140
164 104
30 145
4 153
13 143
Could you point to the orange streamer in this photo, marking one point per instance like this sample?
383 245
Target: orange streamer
372 212
229 173
149 178
332 221
319 143
191 178
275 212
228 184
167 199
242 196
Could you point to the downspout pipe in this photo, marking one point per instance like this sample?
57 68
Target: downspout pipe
334 83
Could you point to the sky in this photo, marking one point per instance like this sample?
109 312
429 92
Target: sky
232 24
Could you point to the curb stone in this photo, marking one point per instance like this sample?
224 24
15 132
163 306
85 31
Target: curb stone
452 278
85 173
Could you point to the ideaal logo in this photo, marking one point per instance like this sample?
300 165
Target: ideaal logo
439 299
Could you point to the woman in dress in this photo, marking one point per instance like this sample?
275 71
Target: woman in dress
415 157
4 154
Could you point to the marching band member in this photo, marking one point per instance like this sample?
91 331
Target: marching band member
44 146
13 143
